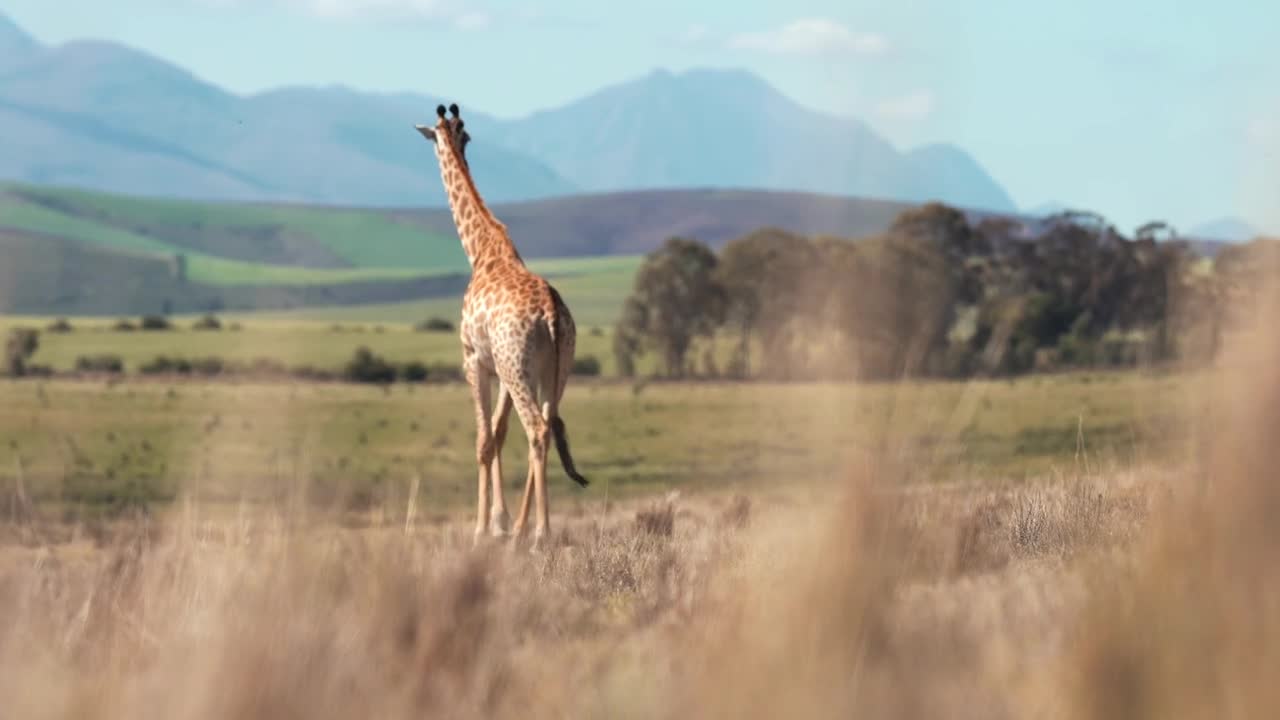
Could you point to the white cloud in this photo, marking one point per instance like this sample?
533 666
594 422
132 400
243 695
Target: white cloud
472 21
694 34
449 11
354 8
912 106
811 36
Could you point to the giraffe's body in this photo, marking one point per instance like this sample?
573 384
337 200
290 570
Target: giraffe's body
515 328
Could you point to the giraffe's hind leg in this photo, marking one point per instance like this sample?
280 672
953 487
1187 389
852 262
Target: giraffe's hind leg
479 380
499 520
524 398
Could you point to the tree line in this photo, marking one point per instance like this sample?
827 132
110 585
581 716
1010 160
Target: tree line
934 296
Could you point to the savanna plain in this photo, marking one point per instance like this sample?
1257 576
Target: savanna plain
1060 546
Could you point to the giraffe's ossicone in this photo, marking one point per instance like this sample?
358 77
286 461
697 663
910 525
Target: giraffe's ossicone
516 329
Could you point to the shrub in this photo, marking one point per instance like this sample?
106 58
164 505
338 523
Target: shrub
42 371
208 322
414 371
165 365
365 367
123 325
155 322
207 366
61 325
586 365
105 363
18 349
657 519
444 372
310 372
435 324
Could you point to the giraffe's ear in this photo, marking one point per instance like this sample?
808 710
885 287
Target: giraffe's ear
427 132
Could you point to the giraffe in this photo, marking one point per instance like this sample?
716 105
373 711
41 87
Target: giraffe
515 328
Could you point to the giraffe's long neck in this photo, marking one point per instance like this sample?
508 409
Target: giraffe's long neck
482 234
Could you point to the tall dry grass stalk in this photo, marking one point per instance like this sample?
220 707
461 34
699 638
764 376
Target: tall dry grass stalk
1189 626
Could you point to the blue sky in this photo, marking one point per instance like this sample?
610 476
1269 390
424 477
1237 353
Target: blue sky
1138 109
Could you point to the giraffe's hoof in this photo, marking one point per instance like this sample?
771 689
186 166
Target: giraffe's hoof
500 525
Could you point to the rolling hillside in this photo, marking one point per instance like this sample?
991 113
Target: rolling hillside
76 252
102 116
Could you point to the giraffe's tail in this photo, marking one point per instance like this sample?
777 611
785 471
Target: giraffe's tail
558 431
562 448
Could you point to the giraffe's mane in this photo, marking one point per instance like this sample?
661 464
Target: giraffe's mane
465 169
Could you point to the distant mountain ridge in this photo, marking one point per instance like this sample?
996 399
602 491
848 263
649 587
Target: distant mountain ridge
102 116
1226 229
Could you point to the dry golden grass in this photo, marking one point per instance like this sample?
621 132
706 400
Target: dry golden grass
1129 593
713 607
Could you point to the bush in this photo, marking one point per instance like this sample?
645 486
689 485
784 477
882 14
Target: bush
100 364
310 372
155 322
434 324
365 367
165 365
414 371
208 322
123 325
18 349
586 365
207 366
41 371
443 372
61 325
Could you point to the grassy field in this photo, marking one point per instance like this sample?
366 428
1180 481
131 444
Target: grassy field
327 337
104 444
832 576
594 288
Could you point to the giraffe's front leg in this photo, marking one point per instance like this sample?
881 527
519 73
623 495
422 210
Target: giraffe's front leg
479 382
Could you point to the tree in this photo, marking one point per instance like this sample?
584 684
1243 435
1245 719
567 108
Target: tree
675 300
942 226
764 276
627 339
18 349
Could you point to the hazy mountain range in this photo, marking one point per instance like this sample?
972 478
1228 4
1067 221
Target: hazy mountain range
103 116
1229 229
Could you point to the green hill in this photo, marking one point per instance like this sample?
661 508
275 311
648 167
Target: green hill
80 252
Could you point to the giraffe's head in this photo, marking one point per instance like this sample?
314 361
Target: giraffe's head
448 134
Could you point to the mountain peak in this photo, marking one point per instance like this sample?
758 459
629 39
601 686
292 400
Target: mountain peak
14 41
1229 229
